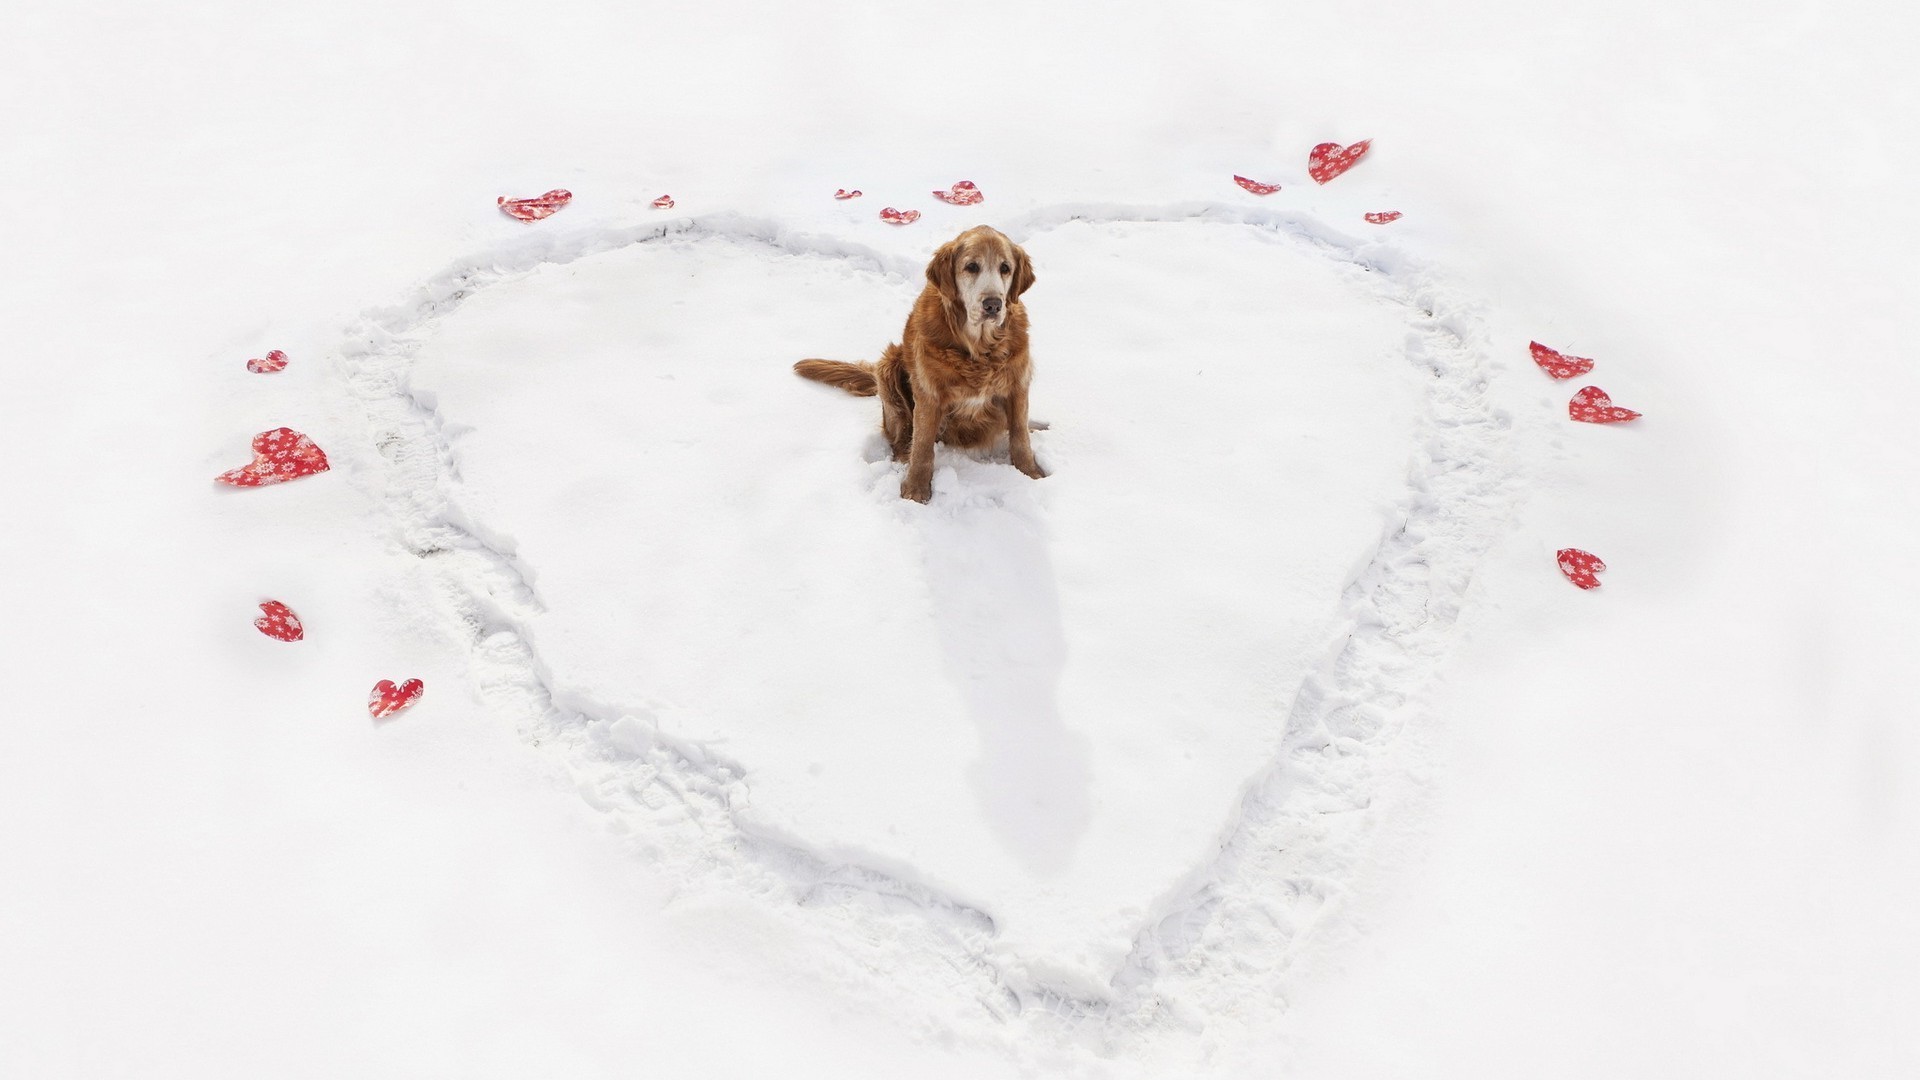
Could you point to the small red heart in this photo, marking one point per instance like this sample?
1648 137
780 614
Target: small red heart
664 202
279 622
1381 217
279 455
273 361
843 193
1557 365
537 207
1255 186
1329 160
963 194
899 217
1592 405
388 699
1580 566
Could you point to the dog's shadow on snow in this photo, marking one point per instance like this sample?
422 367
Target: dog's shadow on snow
996 607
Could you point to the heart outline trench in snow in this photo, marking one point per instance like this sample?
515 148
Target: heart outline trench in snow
386 699
1591 405
1580 566
1329 160
279 455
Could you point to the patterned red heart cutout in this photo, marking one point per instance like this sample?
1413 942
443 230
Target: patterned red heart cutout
963 194
537 207
1592 405
1580 567
388 699
273 361
1381 217
278 456
1255 186
279 622
1329 160
664 202
1558 365
899 217
843 193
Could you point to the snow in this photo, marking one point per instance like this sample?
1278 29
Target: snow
1443 813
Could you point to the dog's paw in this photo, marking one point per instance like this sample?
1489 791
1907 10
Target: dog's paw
919 489
1031 468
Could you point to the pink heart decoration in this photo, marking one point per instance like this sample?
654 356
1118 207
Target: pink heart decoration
273 361
843 193
664 202
1580 567
1558 365
279 622
1592 405
1381 217
537 207
899 217
1255 186
963 194
1329 160
388 699
279 455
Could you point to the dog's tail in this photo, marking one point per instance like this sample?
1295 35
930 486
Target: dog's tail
855 379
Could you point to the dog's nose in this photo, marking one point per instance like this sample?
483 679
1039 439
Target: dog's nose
991 305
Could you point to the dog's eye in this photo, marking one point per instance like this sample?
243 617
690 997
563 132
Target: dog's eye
973 268
1005 269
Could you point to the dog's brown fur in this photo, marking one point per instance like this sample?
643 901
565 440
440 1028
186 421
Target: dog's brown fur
954 377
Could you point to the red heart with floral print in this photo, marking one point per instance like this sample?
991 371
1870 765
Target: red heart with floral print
899 217
1381 217
963 194
279 622
387 699
273 361
537 207
843 193
1329 160
1557 365
1592 405
278 456
1255 186
664 202
1580 567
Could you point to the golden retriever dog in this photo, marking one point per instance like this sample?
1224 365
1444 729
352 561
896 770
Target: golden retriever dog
959 374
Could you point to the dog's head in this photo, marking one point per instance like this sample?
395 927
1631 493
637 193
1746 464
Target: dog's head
980 274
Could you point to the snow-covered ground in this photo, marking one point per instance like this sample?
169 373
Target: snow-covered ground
1260 736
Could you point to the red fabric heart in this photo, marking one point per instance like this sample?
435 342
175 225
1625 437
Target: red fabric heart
273 361
1580 566
388 699
1329 160
1558 365
664 202
537 207
843 193
279 622
1592 405
278 456
963 194
1255 186
899 217
1381 217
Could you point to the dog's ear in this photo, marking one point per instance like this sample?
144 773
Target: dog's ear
1022 274
940 273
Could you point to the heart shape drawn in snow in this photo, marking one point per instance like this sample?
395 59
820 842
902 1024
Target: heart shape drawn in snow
537 207
1580 567
1381 217
843 193
1591 405
278 456
899 217
387 699
1255 186
1329 160
263 365
1559 365
963 194
278 622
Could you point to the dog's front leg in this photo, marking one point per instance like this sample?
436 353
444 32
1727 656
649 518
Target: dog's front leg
918 483
1020 435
